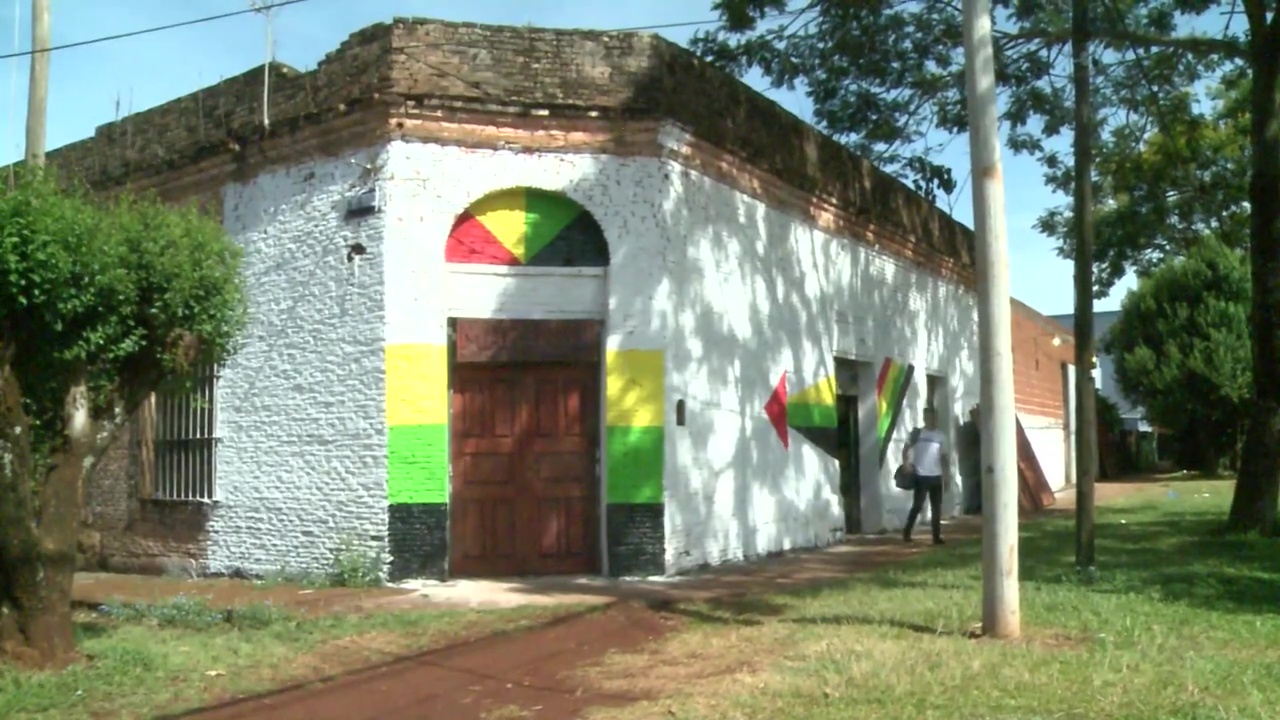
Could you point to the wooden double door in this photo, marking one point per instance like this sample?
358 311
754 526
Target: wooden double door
525 485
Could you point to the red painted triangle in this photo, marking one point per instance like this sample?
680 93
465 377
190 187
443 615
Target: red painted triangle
776 409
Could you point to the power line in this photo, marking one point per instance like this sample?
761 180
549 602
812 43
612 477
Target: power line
285 3
156 29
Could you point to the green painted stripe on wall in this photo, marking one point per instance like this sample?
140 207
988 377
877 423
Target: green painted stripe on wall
811 416
636 459
417 464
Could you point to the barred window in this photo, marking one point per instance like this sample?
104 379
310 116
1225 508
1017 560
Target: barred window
183 430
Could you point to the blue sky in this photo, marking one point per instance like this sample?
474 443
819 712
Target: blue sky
90 85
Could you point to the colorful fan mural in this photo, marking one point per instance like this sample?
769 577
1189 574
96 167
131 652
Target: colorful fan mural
810 412
891 391
530 227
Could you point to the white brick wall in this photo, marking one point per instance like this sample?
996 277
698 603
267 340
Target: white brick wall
734 292
429 185
758 294
302 464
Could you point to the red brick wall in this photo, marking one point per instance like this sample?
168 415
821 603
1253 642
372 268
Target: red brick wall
1038 383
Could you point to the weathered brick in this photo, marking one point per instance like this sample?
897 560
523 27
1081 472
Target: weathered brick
451 68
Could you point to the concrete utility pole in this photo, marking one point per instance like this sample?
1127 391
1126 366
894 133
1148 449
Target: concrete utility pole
38 88
1001 613
1086 399
263 7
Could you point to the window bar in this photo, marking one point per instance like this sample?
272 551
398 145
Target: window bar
157 425
192 445
180 446
186 441
168 446
186 444
184 432
203 461
166 417
216 374
198 492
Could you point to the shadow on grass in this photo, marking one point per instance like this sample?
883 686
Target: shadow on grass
1173 556
872 621
91 630
1168 554
743 610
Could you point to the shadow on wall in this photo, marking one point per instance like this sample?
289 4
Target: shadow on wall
738 296
759 294
746 294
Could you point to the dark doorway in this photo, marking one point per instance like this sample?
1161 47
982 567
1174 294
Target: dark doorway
848 450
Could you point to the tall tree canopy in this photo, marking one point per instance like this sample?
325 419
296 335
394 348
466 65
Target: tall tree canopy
886 76
1181 346
1161 193
100 303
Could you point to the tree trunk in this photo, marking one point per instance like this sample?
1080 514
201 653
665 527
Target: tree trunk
1253 508
37 559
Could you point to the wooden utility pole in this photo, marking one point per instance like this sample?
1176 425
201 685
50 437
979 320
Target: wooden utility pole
1001 612
38 88
1086 398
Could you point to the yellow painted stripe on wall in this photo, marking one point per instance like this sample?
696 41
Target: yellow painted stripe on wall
417 385
634 388
822 392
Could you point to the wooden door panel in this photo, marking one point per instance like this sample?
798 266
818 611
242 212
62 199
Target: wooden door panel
567 537
562 468
485 489
525 478
485 406
562 474
484 537
487 472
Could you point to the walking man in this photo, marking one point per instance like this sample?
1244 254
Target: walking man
925 458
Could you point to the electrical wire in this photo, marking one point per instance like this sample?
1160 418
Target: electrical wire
286 3
156 29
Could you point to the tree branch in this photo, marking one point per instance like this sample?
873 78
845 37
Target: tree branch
1195 44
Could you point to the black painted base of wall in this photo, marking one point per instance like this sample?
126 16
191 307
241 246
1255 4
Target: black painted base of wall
418 541
636 537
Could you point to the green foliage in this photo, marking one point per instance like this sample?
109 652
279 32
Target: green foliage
194 613
887 76
1108 414
355 566
1181 343
352 566
1160 193
121 294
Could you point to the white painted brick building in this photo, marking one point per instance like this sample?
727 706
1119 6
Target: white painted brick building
571 343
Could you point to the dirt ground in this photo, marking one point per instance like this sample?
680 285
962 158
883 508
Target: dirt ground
527 674
93 589
519 675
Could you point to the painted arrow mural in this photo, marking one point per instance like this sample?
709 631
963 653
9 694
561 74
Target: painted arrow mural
891 392
811 413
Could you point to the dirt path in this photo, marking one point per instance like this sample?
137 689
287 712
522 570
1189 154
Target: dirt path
491 677
529 674
93 589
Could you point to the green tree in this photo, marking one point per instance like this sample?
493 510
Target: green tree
886 76
100 304
1181 346
1161 193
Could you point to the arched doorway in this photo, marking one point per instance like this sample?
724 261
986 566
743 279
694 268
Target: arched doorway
526 300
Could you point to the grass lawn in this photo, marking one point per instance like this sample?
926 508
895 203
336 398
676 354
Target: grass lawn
145 660
1178 625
